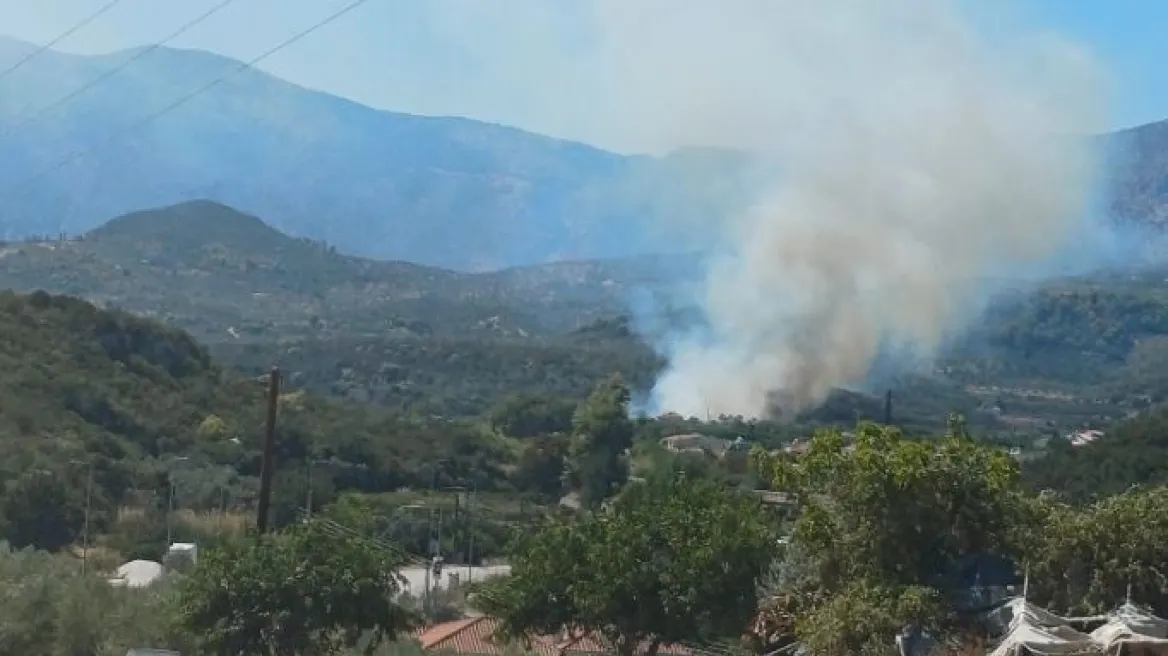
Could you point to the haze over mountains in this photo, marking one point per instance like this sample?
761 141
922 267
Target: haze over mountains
444 191
450 192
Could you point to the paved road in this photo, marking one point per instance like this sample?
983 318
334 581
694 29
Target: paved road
416 576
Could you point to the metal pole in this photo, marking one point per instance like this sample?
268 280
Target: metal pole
169 512
470 549
267 464
85 530
429 565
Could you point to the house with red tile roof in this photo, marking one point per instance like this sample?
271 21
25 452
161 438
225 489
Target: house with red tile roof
474 636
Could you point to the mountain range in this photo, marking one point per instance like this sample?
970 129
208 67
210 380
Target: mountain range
442 191
448 192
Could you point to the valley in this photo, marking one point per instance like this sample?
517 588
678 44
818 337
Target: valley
465 322
405 336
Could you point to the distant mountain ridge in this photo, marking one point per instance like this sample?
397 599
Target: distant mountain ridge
450 192
229 276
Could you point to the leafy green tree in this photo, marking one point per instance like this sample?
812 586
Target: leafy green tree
1085 557
48 607
39 509
307 590
541 466
885 525
529 415
662 564
357 512
597 464
213 428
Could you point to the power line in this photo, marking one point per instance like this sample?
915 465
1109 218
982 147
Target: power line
206 87
61 37
32 118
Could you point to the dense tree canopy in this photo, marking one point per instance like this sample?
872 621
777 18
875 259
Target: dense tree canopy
1134 452
663 564
886 527
1084 558
597 464
40 510
307 590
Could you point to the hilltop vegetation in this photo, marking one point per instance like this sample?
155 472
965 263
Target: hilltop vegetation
432 342
227 276
145 406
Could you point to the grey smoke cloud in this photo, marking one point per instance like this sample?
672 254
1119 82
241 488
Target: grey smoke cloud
920 150
920 153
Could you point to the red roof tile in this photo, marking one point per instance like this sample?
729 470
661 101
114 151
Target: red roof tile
473 635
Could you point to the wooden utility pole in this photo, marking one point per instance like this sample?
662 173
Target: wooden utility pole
267 464
85 530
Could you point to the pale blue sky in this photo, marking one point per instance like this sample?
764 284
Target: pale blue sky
474 57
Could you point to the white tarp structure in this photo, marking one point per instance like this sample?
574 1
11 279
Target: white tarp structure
1132 631
1018 607
137 574
1026 638
1126 631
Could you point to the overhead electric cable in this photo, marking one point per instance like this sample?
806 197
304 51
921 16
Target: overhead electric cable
200 90
60 37
115 70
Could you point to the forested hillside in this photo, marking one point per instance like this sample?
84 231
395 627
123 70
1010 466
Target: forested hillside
139 401
430 341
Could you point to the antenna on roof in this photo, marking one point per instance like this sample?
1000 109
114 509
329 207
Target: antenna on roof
1129 592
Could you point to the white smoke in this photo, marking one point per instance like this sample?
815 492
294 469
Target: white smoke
919 149
917 157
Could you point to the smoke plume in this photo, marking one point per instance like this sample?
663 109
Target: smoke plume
917 155
917 149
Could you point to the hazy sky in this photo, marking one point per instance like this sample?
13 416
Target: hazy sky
488 59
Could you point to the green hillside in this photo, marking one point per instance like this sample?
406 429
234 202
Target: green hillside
137 399
433 342
228 276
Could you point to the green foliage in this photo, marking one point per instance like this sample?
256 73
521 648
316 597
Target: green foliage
847 621
1084 558
890 520
49 608
39 510
224 275
601 434
529 415
662 564
79 384
460 375
541 466
489 520
1133 452
307 590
